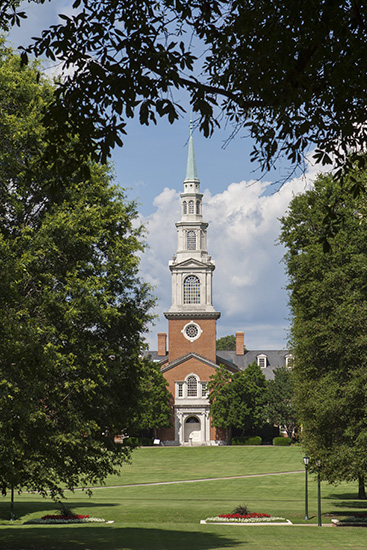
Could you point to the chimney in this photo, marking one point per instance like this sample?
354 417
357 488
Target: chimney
162 344
240 343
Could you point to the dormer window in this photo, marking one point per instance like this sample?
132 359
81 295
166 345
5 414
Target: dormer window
184 207
262 361
191 240
288 361
191 207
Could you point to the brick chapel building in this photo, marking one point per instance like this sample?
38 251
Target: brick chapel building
191 357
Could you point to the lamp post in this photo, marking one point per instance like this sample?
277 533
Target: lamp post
306 460
318 463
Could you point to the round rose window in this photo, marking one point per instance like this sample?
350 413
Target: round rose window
191 331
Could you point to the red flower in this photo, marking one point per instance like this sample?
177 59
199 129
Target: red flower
246 516
74 516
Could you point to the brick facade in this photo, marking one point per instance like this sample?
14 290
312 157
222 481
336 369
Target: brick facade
204 346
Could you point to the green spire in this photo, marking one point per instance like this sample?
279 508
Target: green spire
191 173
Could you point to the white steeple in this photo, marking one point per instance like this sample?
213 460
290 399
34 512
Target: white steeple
191 172
192 267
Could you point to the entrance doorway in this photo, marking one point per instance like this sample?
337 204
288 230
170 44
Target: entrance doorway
192 430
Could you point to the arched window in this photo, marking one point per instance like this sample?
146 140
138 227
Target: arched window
191 290
191 207
192 420
184 207
191 240
198 207
192 386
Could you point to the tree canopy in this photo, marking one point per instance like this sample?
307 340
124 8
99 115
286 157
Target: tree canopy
155 403
280 400
291 74
328 299
238 400
227 343
73 309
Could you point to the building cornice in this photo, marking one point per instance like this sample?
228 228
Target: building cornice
171 315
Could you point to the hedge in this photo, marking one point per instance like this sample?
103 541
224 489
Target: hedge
281 441
138 441
247 440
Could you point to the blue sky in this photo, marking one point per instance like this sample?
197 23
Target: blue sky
249 281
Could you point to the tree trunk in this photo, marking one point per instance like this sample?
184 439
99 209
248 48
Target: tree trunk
12 516
229 434
361 488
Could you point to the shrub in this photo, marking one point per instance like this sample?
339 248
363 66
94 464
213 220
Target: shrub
247 440
268 432
65 511
138 441
133 441
255 440
241 509
146 441
281 441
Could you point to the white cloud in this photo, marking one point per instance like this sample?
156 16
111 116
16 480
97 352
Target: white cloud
249 280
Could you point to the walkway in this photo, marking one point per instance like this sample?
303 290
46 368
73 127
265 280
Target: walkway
197 480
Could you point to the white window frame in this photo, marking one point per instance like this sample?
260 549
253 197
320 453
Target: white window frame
199 331
262 360
189 387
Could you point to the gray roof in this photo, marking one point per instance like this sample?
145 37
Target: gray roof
274 359
153 356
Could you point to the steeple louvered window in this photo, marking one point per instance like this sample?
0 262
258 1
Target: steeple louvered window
191 240
198 207
191 207
191 290
184 207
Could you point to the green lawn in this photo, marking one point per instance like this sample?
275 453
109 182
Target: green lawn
167 517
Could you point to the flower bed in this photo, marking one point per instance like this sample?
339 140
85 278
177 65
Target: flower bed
250 518
250 515
60 516
264 520
75 518
242 515
357 520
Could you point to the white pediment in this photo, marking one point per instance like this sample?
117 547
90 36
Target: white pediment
186 358
191 263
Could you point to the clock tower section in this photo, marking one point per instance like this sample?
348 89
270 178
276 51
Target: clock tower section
192 317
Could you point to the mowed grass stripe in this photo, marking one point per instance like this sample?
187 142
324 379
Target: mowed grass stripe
167 516
189 463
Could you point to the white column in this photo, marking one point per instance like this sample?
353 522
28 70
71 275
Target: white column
180 428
